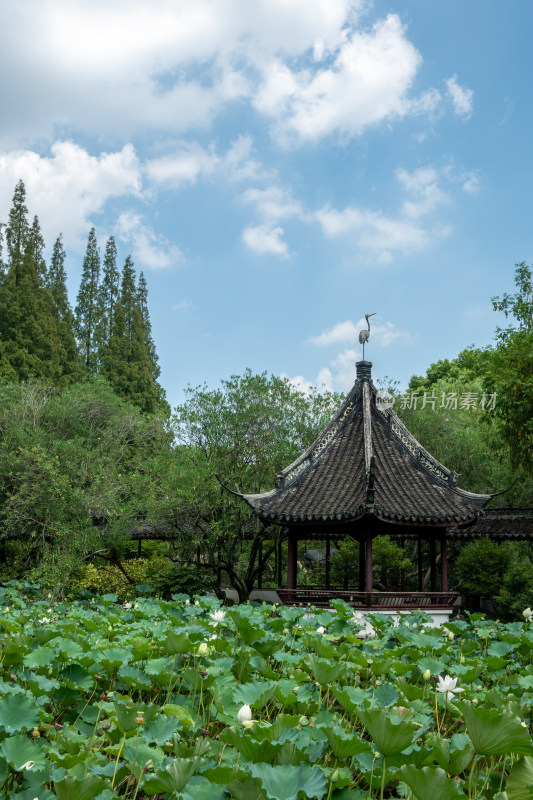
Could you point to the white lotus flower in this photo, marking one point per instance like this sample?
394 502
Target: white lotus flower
357 618
217 616
44 620
27 765
127 606
448 686
367 632
245 716
321 629
426 675
527 613
203 649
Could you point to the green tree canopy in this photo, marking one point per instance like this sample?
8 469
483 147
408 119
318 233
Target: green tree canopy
248 430
76 473
511 370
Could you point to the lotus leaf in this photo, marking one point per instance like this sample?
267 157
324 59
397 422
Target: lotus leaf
455 754
287 781
18 713
86 788
345 745
18 750
390 733
174 777
161 730
431 783
254 694
325 672
520 781
386 694
495 733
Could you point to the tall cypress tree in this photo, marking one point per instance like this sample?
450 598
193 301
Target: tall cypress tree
128 365
87 305
35 247
17 231
142 300
29 336
70 364
109 296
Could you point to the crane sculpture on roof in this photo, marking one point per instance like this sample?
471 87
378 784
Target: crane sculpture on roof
364 336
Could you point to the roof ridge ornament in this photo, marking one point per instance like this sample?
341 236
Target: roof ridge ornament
367 428
364 336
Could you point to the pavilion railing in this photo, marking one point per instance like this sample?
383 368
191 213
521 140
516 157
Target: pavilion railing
318 596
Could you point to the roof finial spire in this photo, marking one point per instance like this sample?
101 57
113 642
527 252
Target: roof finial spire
364 336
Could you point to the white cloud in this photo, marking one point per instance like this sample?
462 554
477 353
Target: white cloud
69 186
181 306
183 166
423 187
265 239
132 64
381 235
299 383
461 97
341 332
325 380
112 69
344 369
149 249
471 183
375 233
368 82
383 334
274 203
189 161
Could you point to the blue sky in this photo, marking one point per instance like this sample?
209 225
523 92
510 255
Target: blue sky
279 168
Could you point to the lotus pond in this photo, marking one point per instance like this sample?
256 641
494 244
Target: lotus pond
187 700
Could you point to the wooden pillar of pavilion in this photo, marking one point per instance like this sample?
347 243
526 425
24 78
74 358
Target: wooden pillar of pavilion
292 559
362 564
419 560
328 564
368 567
260 572
443 562
433 563
402 571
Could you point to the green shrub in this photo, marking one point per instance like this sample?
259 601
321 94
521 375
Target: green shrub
103 579
180 578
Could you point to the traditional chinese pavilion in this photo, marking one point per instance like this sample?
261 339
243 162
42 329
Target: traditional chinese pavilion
366 475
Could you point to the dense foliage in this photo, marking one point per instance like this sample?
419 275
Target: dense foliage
248 430
78 470
40 336
183 700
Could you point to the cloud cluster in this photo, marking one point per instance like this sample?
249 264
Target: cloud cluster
377 235
365 81
110 70
69 185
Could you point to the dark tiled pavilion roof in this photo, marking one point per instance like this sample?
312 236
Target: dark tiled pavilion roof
366 463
